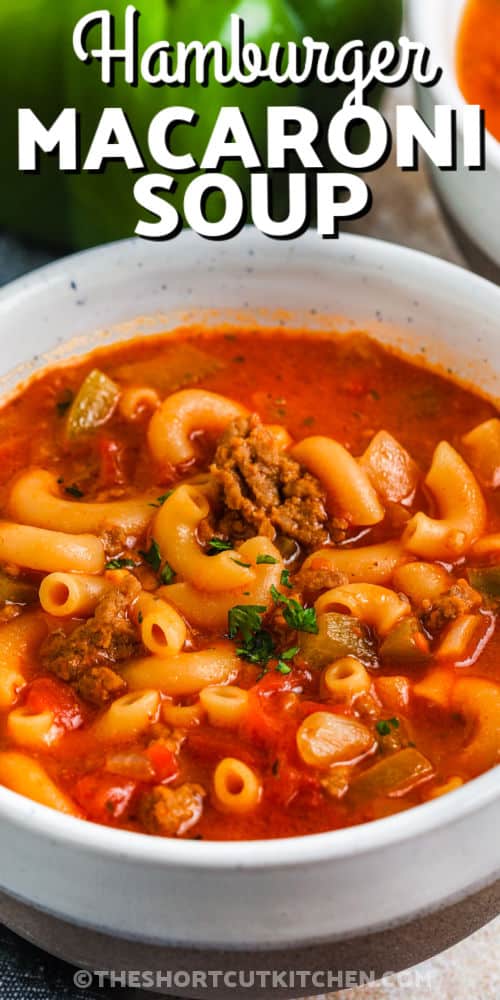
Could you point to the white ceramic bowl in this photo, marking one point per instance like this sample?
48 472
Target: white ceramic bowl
471 198
289 892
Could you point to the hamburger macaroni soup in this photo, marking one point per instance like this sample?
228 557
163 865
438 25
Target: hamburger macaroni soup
249 585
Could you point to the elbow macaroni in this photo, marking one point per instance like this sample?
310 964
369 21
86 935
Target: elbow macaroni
209 610
366 564
461 507
376 606
48 551
127 717
175 530
345 679
348 488
225 706
72 595
478 701
163 631
184 673
24 775
35 500
237 787
180 415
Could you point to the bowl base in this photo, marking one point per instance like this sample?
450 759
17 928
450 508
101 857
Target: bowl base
364 958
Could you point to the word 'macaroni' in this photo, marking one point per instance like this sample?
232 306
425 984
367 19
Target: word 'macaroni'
294 142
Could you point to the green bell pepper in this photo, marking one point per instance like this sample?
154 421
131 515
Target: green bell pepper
39 70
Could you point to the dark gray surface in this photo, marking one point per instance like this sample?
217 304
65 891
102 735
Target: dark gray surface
17 257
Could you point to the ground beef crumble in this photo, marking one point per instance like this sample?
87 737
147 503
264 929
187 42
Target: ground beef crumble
263 490
170 812
85 658
461 599
313 582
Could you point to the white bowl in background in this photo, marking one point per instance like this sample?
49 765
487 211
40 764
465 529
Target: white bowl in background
279 894
471 198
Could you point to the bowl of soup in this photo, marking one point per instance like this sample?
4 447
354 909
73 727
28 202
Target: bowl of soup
463 37
249 549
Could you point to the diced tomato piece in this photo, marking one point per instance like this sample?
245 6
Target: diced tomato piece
260 726
211 744
270 717
163 761
105 797
111 459
290 781
274 682
48 693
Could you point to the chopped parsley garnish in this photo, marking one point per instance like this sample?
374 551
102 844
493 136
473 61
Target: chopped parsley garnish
65 402
285 579
297 617
167 574
384 726
267 560
153 556
245 619
74 491
240 563
161 500
140 617
288 654
120 564
257 643
219 545
259 649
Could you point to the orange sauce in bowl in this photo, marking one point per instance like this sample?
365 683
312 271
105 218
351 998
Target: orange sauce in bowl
478 59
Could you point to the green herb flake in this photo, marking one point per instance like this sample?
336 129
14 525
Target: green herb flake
285 579
258 649
288 654
243 564
257 643
297 617
153 556
140 617
74 491
283 668
120 564
167 574
384 726
161 500
245 619
265 560
219 545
